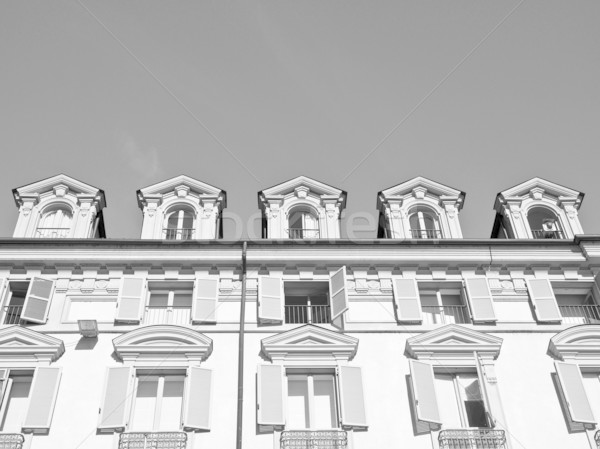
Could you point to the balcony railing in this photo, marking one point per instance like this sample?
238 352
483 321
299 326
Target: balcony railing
179 233
11 441
12 315
446 314
542 234
580 314
52 233
426 233
314 439
597 439
303 233
307 314
472 439
152 440
167 315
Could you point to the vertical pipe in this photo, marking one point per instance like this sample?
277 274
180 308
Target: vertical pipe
240 394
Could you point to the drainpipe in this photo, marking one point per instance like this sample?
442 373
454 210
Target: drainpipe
240 394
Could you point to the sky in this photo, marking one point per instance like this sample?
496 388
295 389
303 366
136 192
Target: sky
361 95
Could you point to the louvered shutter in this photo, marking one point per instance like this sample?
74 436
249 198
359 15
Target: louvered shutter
573 389
270 384
206 296
37 300
407 299
198 396
543 300
480 299
132 298
3 382
42 397
484 391
115 398
270 299
423 387
337 293
352 397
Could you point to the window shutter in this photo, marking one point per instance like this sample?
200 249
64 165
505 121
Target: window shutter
573 389
206 296
480 298
407 299
543 299
271 409
3 382
352 397
338 295
42 397
37 300
3 296
423 387
270 299
115 398
198 396
132 298
484 392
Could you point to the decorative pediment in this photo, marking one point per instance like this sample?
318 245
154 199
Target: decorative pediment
180 187
309 343
453 342
58 186
167 343
421 188
300 184
28 346
577 342
539 188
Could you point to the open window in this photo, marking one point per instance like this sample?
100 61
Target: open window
169 303
180 225
26 301
443 303
303 224
544 223
577 303
307 302
424 224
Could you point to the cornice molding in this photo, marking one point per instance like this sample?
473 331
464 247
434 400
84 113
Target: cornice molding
577 342
29 346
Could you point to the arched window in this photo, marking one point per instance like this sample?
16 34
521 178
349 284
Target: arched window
424 224
544 224
180 225
303 224
55 223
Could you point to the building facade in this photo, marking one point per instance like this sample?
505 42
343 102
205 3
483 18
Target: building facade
302 339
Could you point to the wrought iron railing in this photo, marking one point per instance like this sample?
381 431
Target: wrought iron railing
11 441
52 233
426 233
303 233
580 314
597 439
179 233
472 439
543 234
180 315
307 314
314 439
446 314
12 315
152 440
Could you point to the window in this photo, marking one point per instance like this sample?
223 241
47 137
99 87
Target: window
311 401
424 224
307 302
460 400
26 300
303 225
544 223
180 225
14 403
169 303
55 223
577 305
443 304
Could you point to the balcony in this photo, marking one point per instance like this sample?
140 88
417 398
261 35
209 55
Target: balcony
12 315
303 233
167 315
472 439
152 440
178 233
52 233
426 233
543 234
580 314
446 314
597 439
314 439
312 314
11 441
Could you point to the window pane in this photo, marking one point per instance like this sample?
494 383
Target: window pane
17 404
188 220
182 299
159 300
297 403
296 220
473 400
170 412
145 403
447 401
324 403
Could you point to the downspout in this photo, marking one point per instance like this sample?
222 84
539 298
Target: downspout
240 394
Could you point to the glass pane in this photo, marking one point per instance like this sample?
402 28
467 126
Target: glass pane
296 220
414 222
188 220
173 220
159 300
17 404
170 412
145 404
297 403
447 401
324 403
473 400
182 299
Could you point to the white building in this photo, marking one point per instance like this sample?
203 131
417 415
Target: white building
418 339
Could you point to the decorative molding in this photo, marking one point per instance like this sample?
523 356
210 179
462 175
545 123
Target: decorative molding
28 346
577 342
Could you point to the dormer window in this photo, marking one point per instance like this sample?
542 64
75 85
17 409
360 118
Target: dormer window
544 224
55 223
180 225
424 224
303 224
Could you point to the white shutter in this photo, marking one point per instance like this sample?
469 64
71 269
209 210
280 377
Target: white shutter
206 296
352 397
37 300
3 383
423 387
115 398
543 300
198 395
480 299
131 300
4 290
573 389
42 397
270 299
407 299
270 384
338 295
484 392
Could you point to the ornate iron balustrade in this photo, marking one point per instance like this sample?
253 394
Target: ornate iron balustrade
580 314
472 439
303 233
426 233
153 440
597 439
445 315
314 439
52 233
12 315
542 234
179 233
317 314
11 441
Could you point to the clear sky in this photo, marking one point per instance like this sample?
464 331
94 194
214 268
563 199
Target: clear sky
479 95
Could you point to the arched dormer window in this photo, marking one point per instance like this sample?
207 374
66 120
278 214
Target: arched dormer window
544 223
303 224
424 224
55 223
179 225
